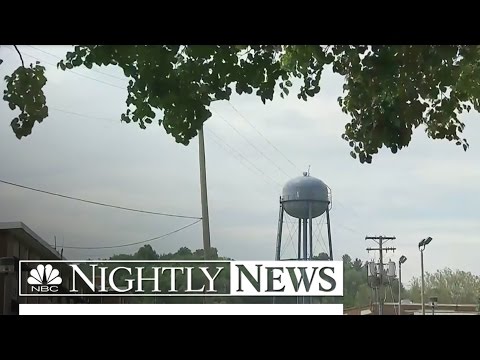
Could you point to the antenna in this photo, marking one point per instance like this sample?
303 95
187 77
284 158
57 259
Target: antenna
55 242
308 171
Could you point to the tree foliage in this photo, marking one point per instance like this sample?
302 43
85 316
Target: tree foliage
356 290
147 253
450 286
389 90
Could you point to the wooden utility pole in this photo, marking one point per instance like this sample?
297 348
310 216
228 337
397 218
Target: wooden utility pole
204 197
204 200
380 240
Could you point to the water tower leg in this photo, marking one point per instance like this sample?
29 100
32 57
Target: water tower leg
279 233
329 235
299 239
305 244
305 248
310 225
299 253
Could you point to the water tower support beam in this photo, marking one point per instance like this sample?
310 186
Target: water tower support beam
305 241
310 229
329 234
299 239
279 233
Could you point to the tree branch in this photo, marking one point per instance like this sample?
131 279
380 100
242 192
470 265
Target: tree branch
19 54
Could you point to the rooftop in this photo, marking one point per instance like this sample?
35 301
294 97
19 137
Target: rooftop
22 231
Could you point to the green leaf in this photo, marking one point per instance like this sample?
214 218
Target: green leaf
77 62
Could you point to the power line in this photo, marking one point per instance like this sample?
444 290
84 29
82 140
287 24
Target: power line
243 157
119 87
81 115
134 243
248 141
258 131
120 207
71 71
225 146
99 203
219 142
59 57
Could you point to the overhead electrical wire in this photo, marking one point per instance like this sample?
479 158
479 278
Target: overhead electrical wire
228 123
70 71
120 87
251 144
216 138
99 203
220 142
133 243
59 57
259 132
81 115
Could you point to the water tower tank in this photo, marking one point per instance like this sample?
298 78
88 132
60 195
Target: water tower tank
299 192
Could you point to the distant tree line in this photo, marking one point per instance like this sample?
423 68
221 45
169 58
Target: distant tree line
450 286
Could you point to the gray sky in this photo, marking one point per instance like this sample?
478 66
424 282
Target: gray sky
427 189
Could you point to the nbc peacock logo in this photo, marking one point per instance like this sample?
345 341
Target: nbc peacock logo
44 278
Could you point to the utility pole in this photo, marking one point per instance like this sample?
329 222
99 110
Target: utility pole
380 240
204 197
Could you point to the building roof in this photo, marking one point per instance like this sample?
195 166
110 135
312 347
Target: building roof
19 229
416 309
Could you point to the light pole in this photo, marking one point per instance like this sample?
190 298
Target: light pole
400 262
421 247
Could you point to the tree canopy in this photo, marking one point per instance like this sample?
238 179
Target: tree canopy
449 286
388 92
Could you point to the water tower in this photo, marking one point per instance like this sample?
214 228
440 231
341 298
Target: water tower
304 198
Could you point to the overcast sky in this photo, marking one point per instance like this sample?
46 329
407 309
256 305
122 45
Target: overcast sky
427 189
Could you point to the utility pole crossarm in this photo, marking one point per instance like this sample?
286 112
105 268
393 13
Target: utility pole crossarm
384 249
380 237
